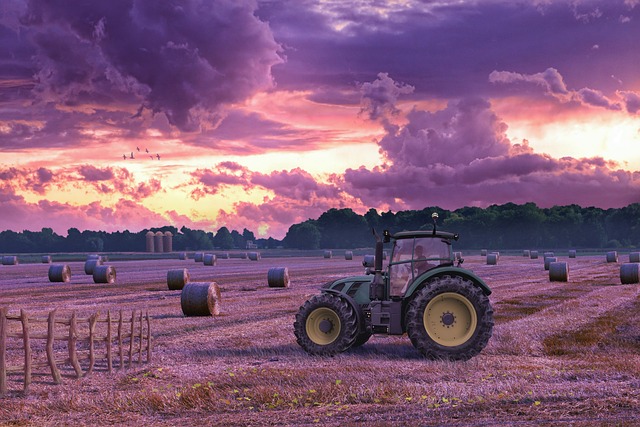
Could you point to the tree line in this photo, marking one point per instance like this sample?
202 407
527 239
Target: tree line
507 226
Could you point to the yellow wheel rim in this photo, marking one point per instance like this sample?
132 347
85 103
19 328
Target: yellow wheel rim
450 319
323 326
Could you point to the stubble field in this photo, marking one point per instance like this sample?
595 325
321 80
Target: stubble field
561 353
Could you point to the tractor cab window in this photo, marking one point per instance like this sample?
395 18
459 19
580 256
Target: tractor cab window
412 257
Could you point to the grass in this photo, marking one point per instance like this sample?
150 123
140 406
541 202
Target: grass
244 367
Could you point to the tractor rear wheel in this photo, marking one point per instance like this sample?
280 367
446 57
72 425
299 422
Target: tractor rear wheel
326 325
450 319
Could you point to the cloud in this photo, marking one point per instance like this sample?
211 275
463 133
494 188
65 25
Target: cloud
380 96
553 84
186 61
631 101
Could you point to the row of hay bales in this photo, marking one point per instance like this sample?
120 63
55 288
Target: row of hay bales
559 271
159 241
93 266
204 298
212 259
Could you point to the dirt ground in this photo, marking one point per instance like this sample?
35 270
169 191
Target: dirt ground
561 353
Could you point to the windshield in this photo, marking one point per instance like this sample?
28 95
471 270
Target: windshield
412 257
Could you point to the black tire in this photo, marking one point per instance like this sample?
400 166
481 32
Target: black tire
326 325
450 319
361 339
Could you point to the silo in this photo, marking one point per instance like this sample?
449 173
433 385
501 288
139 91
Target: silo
158 241
167 241
149 237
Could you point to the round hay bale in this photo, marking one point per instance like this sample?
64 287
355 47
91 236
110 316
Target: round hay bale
348 255
200 299
198 257
93 256
244 255
46 259
549 254
10 260
492 259
91 264
572 253
59 273
630 273
209 259
558 272
176 279
327 254
483 252
457 255
104 274
224 255
254 256
526 253
612 256
534 254
369 261
384 255
183 256
278 277
634 257
548 260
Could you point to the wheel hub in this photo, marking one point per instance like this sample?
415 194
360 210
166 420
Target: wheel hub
448 319
325 326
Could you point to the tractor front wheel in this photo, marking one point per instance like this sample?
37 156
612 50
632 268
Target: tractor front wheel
450 318
326 325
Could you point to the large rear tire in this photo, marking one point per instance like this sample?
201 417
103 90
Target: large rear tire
326 325
450 319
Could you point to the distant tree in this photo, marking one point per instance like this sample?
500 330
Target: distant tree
248 235
305 235
343 228
238 240
223 239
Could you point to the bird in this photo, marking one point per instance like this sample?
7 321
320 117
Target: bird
124 156
146 149
131 157
158 156
151 157
138 148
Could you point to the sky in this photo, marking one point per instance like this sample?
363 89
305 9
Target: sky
132 114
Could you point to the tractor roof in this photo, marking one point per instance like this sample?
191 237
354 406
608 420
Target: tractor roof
425 233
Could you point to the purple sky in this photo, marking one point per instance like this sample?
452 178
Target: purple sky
266 113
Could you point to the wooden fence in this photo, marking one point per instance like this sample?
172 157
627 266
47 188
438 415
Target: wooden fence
25 335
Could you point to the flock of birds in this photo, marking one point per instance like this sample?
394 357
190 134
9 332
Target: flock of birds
131 156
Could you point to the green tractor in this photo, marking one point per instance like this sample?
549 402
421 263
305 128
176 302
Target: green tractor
444 309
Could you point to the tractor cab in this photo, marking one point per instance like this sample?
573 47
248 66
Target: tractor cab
415 253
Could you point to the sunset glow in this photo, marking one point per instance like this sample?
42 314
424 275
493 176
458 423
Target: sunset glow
260 114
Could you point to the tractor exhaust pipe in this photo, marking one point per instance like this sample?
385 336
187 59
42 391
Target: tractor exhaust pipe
376 288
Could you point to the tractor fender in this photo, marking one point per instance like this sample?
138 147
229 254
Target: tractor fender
420 282
352 303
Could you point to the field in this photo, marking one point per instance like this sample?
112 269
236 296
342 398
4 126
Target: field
561 353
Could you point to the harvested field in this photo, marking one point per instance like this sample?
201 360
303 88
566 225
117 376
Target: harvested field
561 353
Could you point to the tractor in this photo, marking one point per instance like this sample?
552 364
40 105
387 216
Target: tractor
443 308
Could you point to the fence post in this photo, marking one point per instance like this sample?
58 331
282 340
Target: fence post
148 338
92 332
24 317
55 373
3 350
140 340
120 342
109 361
133 319
73 338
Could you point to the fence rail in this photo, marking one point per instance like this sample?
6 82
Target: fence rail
132 331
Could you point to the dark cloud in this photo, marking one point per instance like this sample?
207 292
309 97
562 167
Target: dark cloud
631 101
92 173
184 60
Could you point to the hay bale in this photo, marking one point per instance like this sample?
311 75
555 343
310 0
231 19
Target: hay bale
558 271
59 273
91 264
572 253
244 255
10 260
384 255
278 277
630 273
254 256
210 259
369 261
224 255
634 257
183 256
176 279
483 252
549 255
200 299
46 259
612 256
94 256
104 274
534 254
526 253
548 260
328 254
198 257
348 255
492 259
457 255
